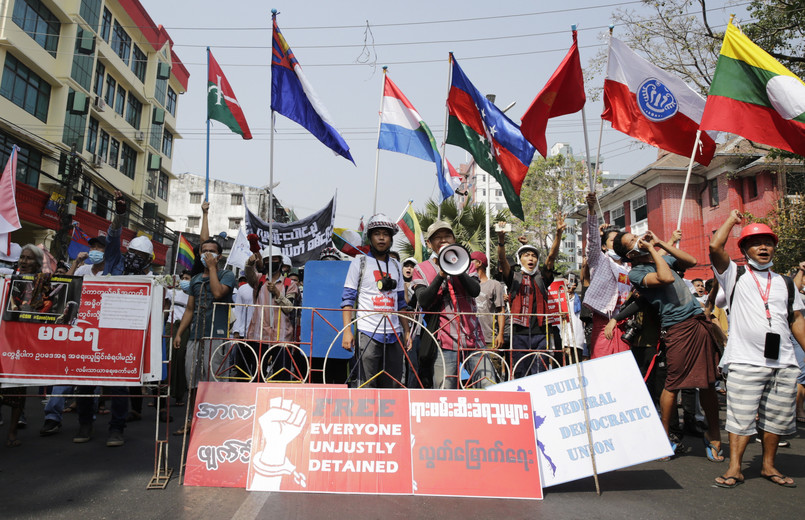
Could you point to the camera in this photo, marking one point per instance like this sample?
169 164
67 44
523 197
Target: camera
630 331
386 283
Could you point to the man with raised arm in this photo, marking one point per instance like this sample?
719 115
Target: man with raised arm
762 382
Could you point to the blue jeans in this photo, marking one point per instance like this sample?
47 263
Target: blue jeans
55 404
447 371
120 407
521 344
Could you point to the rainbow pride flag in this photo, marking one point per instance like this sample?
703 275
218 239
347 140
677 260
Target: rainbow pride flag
185 256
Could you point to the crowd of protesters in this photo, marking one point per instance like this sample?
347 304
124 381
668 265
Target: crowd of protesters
433 325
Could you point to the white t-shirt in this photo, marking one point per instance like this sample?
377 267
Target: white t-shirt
179 299
243 315
748 322
370 298
86 270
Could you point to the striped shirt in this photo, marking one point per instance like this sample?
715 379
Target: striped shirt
609 281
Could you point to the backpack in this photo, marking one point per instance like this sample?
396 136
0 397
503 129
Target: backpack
789 284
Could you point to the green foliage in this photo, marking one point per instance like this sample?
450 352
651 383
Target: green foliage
552 188
468 224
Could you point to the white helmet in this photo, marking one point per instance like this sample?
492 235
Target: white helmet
523 248
142 244
275 251
286 260
381 221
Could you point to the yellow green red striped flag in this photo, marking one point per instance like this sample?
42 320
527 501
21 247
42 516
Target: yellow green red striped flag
409 225
755 96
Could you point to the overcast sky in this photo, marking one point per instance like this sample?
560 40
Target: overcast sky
509 48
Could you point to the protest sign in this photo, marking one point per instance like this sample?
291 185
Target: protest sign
221 436
43 298
93 347
454 443
302 240
557 302
239 252
626 428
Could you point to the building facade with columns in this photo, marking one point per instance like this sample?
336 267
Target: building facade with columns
89 93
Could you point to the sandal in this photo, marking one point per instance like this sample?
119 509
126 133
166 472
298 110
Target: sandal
183 430
726 484
712 451
13 443
780 480
102 410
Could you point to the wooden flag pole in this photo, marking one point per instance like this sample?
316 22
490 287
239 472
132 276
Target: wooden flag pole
687 179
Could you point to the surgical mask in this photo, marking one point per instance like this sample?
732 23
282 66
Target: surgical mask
758 266
185 285
529 271
95 256
204 259
613 255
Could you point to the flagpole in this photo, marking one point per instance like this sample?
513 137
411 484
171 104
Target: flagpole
271 180
584 126
176 261
207 178
687 179
446 121
404 211
601 132
377 152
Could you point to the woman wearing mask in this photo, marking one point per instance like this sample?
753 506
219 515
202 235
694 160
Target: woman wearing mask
95 267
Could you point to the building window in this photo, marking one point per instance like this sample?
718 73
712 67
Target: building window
713 192
111 85
138 63
74 125
171 103
498 193
167 144
106 25
103 145
195 197
751 187
134 110
82 62
162 188
640 208
160 88
92 135
483 192
100 72
114 152
121 42
39 23
193 222
29 161
618 217
159 229
120 100
234 223
103 203
91 11
151 185
236 199
156 135
128 160
25 89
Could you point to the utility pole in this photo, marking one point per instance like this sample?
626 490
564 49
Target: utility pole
72 174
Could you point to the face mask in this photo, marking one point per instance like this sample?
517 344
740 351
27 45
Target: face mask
612 254
528 271
134 264
185 285
95 256
204 260
276 266
758 266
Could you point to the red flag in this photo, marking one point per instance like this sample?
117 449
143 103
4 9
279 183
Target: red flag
222 105
562 95
9 218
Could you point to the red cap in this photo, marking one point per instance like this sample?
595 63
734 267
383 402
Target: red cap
477 255
756 229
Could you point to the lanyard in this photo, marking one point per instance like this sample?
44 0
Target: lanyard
764 295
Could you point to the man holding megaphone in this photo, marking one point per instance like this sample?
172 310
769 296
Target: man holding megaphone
446 284
528 293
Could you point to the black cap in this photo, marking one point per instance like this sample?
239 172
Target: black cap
101 241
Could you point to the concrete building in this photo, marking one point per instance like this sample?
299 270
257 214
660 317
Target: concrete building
740 177
99 77
227 205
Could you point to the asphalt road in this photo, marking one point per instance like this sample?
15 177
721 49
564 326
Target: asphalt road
50 477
